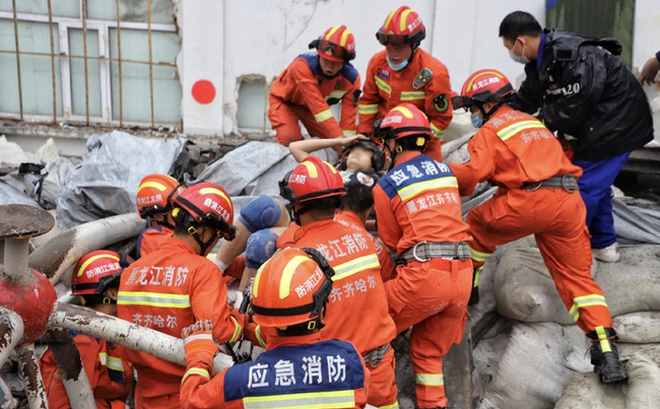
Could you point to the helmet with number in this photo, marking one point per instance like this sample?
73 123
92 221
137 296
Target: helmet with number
403 121
96 272
336 44
205 204
291 288
402 26
154 193
377 159
312 179
481 87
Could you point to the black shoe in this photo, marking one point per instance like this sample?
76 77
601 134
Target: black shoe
474 296
606 364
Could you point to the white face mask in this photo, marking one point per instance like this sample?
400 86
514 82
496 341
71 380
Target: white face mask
519 59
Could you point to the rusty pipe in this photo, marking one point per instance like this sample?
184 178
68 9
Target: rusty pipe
74 376
125 333
11 332
28 370
17 251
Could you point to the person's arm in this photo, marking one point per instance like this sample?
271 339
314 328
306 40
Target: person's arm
369 102
389 230
650 70
302 149
479 168
529 97
437 103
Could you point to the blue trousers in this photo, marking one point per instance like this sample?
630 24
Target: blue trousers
595 190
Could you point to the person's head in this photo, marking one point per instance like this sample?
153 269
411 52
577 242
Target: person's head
362 154
359 198
483 93
290 292
520 32
404 128
203 212
153 199
336 47
314 189
401 34
95 280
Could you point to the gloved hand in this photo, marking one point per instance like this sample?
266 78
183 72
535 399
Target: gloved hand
199 338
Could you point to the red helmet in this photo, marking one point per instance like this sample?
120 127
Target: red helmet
402 26
154 193
402 121
95 272
291 288
336 44
205 204
483 86
313 178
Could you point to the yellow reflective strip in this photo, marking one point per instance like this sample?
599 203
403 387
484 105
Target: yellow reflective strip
437 132
369 109
477 276
511 130
103 357
155 185
237 330
495 73
478 255
323 116
338 94
116 364
153 299
333 399
311 169
355 266
389 18
413 190
412 95
349 131
395 405
429 379
196 371
403 19
344 37
582 298
405 111
257 279
218 192
287 274
257 333
331 32
92 259
605 345
384 86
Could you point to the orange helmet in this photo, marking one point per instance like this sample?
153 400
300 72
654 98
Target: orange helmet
95 272
205 204
402 121
291 288
154 193
313 178
483 86
402 26
336 44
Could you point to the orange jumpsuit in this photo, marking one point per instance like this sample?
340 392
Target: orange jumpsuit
110 377
508 150
418 201
385 88
357 307
301 92
168 290
151 238
300 372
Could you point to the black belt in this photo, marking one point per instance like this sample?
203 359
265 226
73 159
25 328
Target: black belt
424 251
374 357
567 182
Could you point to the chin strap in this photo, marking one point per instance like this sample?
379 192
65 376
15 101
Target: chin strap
198 238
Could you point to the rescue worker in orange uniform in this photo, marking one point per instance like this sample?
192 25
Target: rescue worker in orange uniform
298 369
96 281
175 286
537 194
153 204
314 188
313 82
418 210
403 72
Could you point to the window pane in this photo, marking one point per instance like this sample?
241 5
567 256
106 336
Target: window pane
134 11
8 73
136 98
78 73
62 8
251 104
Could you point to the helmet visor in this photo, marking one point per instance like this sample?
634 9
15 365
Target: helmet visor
338 51
393 39
462 101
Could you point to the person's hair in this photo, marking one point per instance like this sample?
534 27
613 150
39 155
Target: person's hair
519 23
323 208
95 299
409 143
358 197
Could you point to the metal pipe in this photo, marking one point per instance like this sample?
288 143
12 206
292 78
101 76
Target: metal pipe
84 18
100 58
151 66
74 376
52 60
125 333
17 252
11 332
28 370
121 96
55 257
18 60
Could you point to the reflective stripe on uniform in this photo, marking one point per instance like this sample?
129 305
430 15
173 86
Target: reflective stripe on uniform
437 132
316 400
196 371
153 299
111 362
589 300
509 131
257 333
412 95
355 266
395 405
369 109
413 190
605 345
384 86
336 94
237 330
349 131
477 276
478 255
323 116
431 379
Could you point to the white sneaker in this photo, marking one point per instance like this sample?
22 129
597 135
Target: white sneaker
609 254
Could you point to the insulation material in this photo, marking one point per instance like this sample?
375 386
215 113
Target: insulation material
10 195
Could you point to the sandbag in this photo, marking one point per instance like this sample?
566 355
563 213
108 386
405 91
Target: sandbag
638 327
10 195
634 224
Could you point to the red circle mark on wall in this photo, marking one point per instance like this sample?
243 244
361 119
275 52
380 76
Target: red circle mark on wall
203 91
